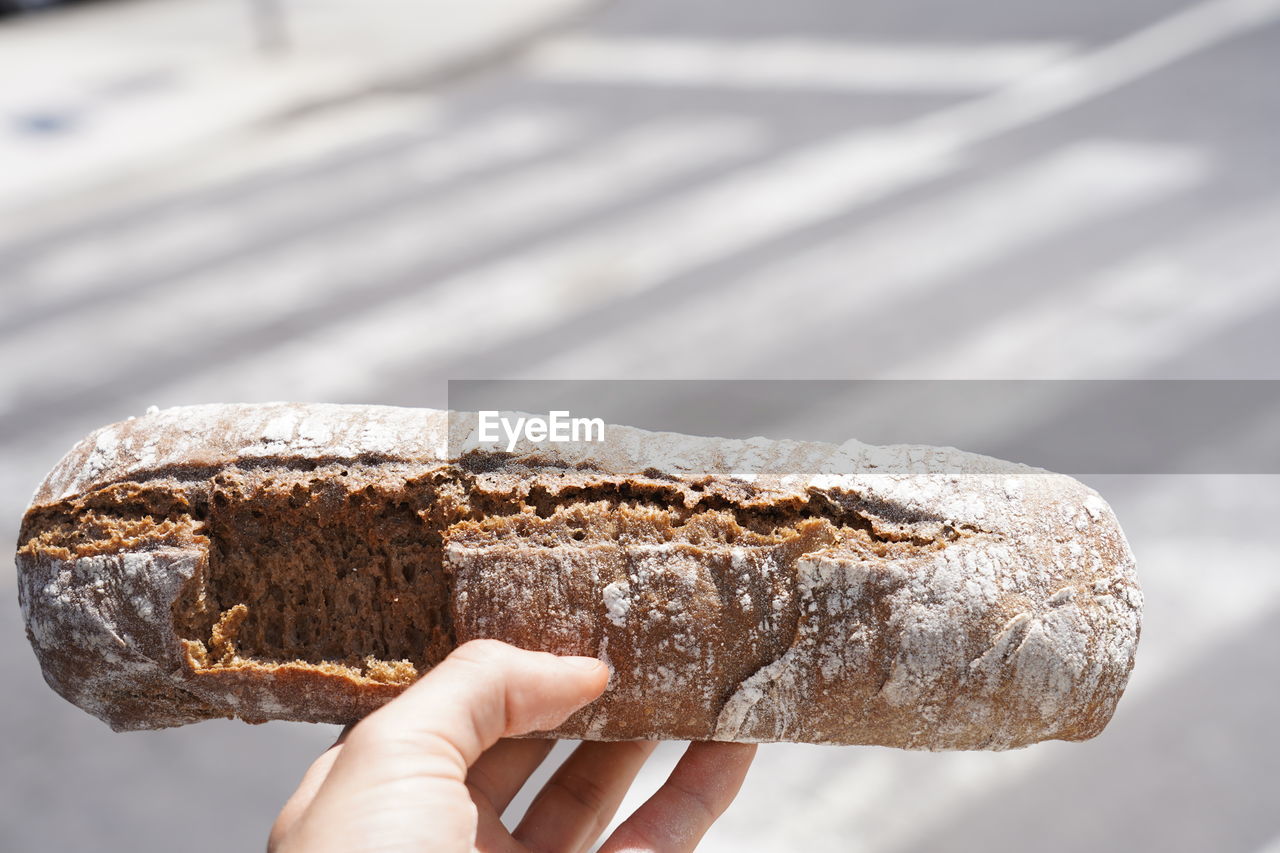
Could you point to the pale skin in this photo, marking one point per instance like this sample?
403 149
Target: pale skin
434 769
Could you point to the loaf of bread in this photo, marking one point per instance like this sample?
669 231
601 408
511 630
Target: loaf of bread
307 562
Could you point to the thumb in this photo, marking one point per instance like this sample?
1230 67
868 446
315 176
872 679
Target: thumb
483 691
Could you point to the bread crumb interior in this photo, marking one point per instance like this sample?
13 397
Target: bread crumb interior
341 567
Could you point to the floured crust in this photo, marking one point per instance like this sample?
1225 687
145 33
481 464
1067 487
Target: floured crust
741 590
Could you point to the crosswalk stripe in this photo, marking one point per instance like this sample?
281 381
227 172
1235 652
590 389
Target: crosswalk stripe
160 247
864 273
1147 309
308 142
239 298
790 63
1065 85
540 288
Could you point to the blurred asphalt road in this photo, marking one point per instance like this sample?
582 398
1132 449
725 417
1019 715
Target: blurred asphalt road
97 93
716 190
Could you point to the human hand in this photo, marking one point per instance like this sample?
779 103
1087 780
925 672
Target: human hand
435 768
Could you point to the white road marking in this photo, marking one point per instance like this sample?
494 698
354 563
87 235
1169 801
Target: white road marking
1091 75
1149 308
534 290
196 233
865 272
269 288
790 63
307 142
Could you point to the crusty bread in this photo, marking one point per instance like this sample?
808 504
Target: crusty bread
307 562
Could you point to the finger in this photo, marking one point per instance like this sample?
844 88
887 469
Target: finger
501 772
306 792
481 692
581 797
699 789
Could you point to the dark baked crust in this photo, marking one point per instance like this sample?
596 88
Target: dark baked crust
741 590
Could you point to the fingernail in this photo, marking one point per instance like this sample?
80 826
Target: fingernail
582 662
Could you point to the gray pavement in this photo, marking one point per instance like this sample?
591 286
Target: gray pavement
715 190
